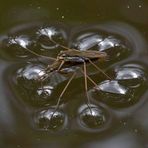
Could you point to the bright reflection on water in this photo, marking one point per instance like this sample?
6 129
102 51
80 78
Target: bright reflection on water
44 34
49 32
112 87
45 91
30 75
31 72
16 46
131 75
23 41
87 41
109 43
50 119
127 74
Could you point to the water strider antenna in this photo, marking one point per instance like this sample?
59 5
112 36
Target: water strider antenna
36 54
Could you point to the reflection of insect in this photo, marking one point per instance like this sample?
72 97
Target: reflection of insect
70 57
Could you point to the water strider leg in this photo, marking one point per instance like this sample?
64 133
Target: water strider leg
99 69
62 63
62 93
50 72
86 87
43 79
90 79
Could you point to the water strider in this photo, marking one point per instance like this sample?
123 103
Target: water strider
70 57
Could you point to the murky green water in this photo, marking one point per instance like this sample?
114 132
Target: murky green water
116 115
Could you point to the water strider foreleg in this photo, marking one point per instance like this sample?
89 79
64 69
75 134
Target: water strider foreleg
39 55
36 54
62 46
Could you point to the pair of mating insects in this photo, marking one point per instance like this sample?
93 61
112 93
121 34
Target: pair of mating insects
69 57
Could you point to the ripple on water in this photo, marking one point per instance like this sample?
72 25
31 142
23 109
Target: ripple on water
122 91
50 119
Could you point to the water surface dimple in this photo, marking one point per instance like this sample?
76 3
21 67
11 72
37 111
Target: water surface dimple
113 93
109 43
87 41
45 45
93 118
30 75
50 119
112 87
15 46
131 75
115 48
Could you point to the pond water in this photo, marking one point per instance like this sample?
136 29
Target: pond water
111 111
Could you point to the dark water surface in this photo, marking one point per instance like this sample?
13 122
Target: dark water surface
117 113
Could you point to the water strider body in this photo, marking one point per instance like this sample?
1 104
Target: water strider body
72 57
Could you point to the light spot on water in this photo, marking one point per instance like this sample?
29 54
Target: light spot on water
49 31
45 90
112 87
38 7
20 40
